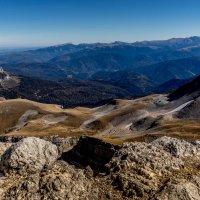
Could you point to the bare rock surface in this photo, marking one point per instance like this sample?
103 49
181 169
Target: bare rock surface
62 181
164 169
178 147
180 189
29 155
137 168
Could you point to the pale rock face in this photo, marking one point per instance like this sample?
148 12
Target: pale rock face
177 147
148 156
137 167
180 189
30 155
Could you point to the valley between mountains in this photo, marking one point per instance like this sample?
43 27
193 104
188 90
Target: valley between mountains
175 114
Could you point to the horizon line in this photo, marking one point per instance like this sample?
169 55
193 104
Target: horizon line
81 43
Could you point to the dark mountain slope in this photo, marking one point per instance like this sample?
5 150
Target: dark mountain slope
41 70
170 85
126 57
68 93
136 84
191 89
174 69
189 93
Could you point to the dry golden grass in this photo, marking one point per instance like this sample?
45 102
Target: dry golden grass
179 128
185 129
103 121
12 110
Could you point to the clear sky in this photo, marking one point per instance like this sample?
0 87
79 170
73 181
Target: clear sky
47 22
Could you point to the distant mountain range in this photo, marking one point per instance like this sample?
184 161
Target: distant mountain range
133 69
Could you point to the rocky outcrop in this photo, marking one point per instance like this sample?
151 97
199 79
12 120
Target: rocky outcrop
167 168
63 144
137 167
7 81
29 155
62 181
178 147
180 189
164 169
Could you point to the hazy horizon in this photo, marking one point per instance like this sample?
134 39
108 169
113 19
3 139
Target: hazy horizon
28 47
39 23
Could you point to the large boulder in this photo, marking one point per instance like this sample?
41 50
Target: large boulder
29 155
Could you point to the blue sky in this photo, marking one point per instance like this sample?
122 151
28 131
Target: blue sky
47 22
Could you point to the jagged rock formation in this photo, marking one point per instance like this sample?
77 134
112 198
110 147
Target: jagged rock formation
140 169
177 147
165 169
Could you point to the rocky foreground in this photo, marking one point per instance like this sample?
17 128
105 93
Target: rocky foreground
88 168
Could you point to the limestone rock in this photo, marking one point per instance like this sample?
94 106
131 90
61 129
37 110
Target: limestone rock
61 181
180 189
164 169
178 147
29 155
137 167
